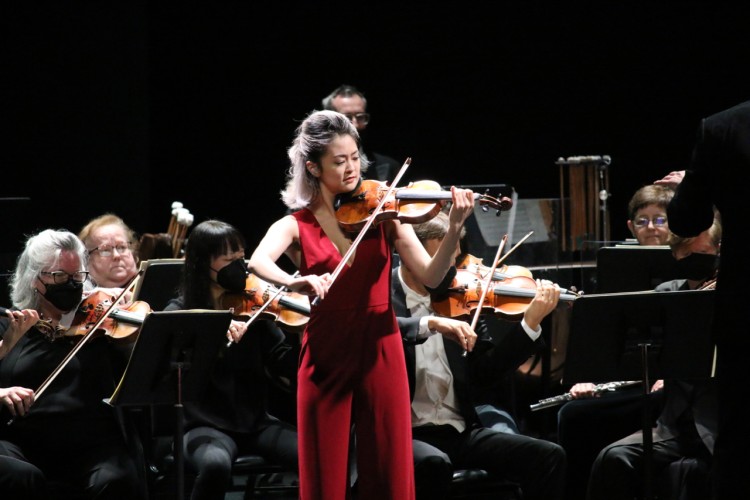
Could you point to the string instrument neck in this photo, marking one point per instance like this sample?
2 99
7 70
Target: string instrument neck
295 305
515 291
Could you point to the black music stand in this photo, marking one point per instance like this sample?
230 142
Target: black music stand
160 282
632 268
641 335
171 363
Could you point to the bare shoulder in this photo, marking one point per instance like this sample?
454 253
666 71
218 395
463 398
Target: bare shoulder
286 224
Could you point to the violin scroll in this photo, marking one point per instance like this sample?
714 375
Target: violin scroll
500 203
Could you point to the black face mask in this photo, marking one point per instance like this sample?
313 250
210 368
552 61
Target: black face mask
697 266
233 276
65 296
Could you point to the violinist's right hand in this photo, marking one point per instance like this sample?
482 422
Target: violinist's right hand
311 284
20 322
459 332
18 400
236 330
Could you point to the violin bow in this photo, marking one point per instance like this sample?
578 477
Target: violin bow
52 376
498 260
367 225
486 286
264 306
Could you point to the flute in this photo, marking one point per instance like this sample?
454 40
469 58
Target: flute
599 388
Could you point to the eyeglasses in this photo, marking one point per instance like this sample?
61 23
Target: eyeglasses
363 118
106 251
60 277
658 221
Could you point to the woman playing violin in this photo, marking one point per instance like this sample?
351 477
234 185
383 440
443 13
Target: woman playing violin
68 434
232 417
351 367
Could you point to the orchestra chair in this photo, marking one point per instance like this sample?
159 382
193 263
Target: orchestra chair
686 479
253 476
477 484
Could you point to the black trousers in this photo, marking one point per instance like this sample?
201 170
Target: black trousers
104 471
537 465
210 453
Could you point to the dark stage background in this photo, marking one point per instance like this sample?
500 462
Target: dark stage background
128 107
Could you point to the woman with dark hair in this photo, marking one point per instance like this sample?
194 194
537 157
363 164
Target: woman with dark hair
352 364
232 417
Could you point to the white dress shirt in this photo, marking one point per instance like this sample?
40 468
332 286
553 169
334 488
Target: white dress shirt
434 399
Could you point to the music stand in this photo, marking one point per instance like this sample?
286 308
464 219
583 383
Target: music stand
632 268
171 363
159 282
612 335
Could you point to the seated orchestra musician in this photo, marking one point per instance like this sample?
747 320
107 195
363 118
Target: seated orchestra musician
593 419
112 250
232 417
686 426
59 429
447 432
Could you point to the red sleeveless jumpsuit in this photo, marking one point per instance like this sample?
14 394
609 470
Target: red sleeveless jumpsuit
352 367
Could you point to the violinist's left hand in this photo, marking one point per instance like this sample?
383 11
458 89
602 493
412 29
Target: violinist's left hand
462 206
20 323
544 302
236 330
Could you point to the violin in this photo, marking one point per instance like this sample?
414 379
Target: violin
289 309
122 325
418 202
508 298
99 317
475 265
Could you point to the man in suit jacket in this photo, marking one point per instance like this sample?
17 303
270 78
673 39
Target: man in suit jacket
719 177
348 100
446 429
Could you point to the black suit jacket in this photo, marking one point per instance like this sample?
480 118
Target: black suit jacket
382 167
719 175
490 360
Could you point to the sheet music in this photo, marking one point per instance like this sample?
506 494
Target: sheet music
531 214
